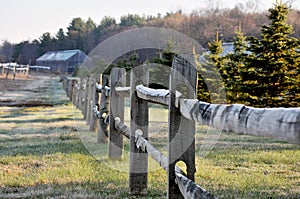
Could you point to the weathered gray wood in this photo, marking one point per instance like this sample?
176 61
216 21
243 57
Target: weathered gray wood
80 94
181 130
103 89
122 128
98 87
188 188
138 169
123 91
160 96
117 78
103 112
77 99
84 97
278 123
89 99
95 101
74 91
96 111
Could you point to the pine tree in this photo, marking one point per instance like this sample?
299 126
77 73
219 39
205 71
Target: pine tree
235 66
212 73
272 78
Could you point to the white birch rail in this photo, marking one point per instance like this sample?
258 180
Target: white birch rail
14 68
40 67
278 123
188 188
96 112
123 91
160 96
99 88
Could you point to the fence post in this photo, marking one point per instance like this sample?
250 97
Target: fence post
70 88
74 91
78 93
90 100
103 109
7 70
14 72
27 70
117 78
85 96
138 173
94 101
181 130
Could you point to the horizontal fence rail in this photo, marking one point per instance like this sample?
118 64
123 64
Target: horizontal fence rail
13 68
188 188
101 99
278 123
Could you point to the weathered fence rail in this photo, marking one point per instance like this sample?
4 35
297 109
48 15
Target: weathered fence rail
184 110
13 68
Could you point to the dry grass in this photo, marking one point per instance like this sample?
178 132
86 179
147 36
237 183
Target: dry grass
45 152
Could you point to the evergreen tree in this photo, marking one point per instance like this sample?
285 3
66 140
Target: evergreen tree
164 59
6 50
46 43
234 68
76 34
60 40
108 22
212 73
272 70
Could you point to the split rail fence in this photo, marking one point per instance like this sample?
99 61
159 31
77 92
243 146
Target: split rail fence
13 68
102 105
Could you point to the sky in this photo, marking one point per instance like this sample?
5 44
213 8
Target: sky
22 20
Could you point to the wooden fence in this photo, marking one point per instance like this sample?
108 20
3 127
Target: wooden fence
13 68
107 110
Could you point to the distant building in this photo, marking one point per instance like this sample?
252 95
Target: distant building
62 61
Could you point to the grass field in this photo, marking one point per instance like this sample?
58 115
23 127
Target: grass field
43 154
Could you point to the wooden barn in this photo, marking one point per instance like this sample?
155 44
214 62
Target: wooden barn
62 61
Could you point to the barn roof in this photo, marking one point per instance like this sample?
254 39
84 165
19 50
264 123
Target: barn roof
58 55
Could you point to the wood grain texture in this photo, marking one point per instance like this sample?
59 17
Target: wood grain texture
278 123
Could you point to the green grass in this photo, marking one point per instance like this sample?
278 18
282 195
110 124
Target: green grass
44 154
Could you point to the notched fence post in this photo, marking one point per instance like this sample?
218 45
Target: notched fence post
103 109
117 78
138 174
95 101
181 130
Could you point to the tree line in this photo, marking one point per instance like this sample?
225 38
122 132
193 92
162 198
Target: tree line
262 71
201 25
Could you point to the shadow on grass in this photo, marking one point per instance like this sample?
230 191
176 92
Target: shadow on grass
250 194
41 146
118 189
42 120
78 190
